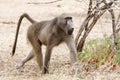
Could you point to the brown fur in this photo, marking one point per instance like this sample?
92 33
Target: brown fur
50 33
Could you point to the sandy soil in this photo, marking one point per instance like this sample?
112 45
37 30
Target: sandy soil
10 10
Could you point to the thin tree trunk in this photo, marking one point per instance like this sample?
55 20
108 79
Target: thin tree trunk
93 13
113 26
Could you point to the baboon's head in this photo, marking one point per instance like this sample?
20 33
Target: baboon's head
65 23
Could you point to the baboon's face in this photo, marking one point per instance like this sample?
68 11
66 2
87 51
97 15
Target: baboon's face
66 24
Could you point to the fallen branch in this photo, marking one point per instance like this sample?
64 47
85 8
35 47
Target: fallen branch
36 3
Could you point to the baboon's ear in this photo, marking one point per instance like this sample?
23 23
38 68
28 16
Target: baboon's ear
55 20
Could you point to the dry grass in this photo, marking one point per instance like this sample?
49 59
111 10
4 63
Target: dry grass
60 68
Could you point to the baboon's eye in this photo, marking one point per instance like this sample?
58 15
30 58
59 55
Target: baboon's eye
67 19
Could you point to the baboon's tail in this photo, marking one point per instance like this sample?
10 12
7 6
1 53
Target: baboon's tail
17 31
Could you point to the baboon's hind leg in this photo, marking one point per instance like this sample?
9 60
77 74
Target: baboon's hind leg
39 57
36 44
29 57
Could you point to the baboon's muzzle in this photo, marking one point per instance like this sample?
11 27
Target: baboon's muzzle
70 31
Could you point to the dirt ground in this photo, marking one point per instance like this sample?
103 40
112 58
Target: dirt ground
10 10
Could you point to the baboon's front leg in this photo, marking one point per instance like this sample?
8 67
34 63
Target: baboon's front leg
73 51
51 43
47 60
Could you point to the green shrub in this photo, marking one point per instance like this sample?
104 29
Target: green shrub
98 52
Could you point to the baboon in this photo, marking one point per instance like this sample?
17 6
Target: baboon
50 33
